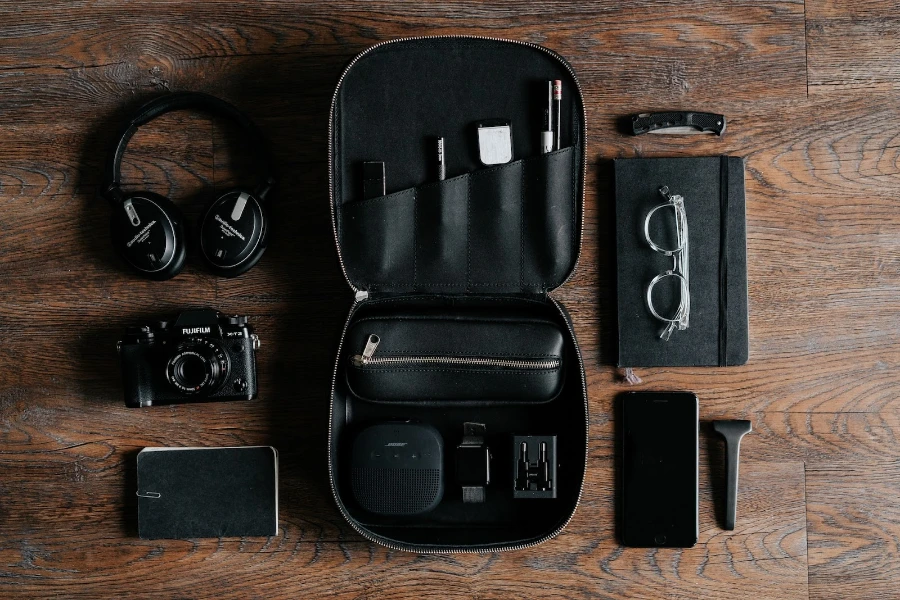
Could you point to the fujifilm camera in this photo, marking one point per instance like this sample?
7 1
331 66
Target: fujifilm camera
200 357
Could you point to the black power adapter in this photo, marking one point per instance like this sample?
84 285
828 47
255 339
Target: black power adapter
535 466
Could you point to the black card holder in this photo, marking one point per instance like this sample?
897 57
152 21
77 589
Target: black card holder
430 360
436 237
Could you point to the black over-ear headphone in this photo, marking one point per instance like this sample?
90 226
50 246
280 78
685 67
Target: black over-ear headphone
148 230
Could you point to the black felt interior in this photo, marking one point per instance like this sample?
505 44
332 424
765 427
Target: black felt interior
513 227
698 180
501 519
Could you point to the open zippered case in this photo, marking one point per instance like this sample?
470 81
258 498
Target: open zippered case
453 323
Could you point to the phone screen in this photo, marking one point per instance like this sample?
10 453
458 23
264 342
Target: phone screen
659 433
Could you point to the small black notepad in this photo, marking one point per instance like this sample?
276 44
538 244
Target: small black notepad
207 492
713 192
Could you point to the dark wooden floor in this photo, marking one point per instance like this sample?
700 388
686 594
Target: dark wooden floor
811 94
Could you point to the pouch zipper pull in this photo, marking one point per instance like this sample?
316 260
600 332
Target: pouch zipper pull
371 344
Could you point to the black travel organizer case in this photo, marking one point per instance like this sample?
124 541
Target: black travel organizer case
460 269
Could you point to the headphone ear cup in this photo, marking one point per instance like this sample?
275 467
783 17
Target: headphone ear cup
148 232
234 233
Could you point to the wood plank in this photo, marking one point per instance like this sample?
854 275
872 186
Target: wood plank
733 54
853 46
836 147
823 175
765 555
849 9
852 479
86 36
854 533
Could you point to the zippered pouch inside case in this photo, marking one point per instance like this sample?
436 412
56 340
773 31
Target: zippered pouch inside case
458 418
455 359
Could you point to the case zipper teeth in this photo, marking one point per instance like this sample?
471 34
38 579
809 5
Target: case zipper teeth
367 358
365 534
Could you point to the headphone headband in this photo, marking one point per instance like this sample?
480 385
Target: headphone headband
182 101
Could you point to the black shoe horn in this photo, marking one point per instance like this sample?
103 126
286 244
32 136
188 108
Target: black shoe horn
732 430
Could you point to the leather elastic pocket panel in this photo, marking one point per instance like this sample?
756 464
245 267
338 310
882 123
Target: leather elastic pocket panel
442 213
495 240
549 198
378 235
505 229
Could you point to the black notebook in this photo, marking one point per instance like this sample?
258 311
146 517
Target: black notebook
207 492
713 193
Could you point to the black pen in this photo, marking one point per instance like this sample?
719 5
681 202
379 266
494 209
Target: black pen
441 166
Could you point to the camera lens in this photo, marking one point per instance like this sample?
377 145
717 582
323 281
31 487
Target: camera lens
190 371
198 366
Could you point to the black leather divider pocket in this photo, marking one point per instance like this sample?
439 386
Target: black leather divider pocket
495 228
441 235
424 360
510 228
378 234
550 197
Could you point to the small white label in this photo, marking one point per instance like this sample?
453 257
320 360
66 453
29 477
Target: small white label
132 213
495 145
239 206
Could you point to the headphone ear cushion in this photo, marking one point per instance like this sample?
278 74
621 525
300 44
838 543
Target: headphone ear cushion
233 233
148 232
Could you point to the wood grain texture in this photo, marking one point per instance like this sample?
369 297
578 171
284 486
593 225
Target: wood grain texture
808 89
853 46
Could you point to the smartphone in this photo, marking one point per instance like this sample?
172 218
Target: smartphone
659 433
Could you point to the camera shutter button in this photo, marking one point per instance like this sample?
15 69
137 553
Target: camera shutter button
237 320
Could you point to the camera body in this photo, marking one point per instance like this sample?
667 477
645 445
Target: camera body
200 357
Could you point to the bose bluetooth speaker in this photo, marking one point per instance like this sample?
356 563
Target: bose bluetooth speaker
398 468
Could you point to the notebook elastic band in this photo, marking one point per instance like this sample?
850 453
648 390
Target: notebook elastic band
723 261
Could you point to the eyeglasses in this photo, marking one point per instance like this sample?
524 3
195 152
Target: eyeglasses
675 278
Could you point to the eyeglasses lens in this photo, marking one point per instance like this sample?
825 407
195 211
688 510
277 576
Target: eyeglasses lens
666 297
663 229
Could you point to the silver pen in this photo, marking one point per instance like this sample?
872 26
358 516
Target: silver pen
441 166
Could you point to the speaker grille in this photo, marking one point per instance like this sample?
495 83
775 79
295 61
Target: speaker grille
396 491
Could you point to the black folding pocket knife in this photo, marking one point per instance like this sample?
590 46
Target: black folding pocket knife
678 123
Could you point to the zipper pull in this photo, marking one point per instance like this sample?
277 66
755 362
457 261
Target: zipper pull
371 345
